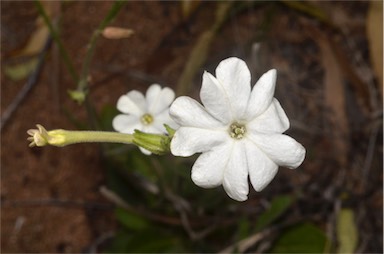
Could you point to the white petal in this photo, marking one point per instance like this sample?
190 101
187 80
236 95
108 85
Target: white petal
126 123
215 99
273 120
152 93
233 74
280 148
190 140
262 94
132 103
159 99
161 119
186 111
261 168
145 151
152 129
235 181
208 170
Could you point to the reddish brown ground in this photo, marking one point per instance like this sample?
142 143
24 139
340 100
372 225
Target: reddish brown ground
36 183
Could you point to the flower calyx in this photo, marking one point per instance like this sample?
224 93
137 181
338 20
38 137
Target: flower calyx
156 143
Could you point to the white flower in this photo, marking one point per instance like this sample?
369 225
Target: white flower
238 131
147 114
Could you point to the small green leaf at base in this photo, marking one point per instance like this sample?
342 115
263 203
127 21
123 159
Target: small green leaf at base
301 238
278 206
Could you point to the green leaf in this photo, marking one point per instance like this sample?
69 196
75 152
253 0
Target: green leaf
21 71
123 185
119 243
302 238
278 206
151 240
346 231
131 220
140 163
243 228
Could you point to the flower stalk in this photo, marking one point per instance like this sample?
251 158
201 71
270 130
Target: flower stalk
82 89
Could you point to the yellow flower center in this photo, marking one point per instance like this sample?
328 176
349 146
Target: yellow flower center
237 130
146 119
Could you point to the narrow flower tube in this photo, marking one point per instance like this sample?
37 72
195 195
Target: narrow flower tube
60 137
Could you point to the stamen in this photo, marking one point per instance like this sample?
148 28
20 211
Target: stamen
146 119
237 131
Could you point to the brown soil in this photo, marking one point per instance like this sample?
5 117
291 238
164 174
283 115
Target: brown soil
50 196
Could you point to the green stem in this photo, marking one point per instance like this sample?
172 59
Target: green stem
83 84
80 94
56 38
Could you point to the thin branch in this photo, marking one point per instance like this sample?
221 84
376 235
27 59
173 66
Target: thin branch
244 244
113 197
94 247
82 86
370 151
192 233
80 94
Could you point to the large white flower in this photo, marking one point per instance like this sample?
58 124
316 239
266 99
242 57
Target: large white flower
238 131
147 114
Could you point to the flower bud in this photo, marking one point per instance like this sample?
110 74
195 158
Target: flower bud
78 96
42 137
38 137
117 33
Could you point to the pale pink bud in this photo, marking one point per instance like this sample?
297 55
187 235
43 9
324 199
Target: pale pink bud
117 32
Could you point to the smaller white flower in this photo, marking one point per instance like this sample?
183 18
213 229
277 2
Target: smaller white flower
147 114
237 130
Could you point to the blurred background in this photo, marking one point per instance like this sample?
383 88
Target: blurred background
111 198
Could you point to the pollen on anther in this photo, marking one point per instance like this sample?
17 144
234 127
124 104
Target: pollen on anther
237 131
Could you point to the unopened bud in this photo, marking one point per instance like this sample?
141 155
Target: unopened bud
78 96
42 137
117 33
